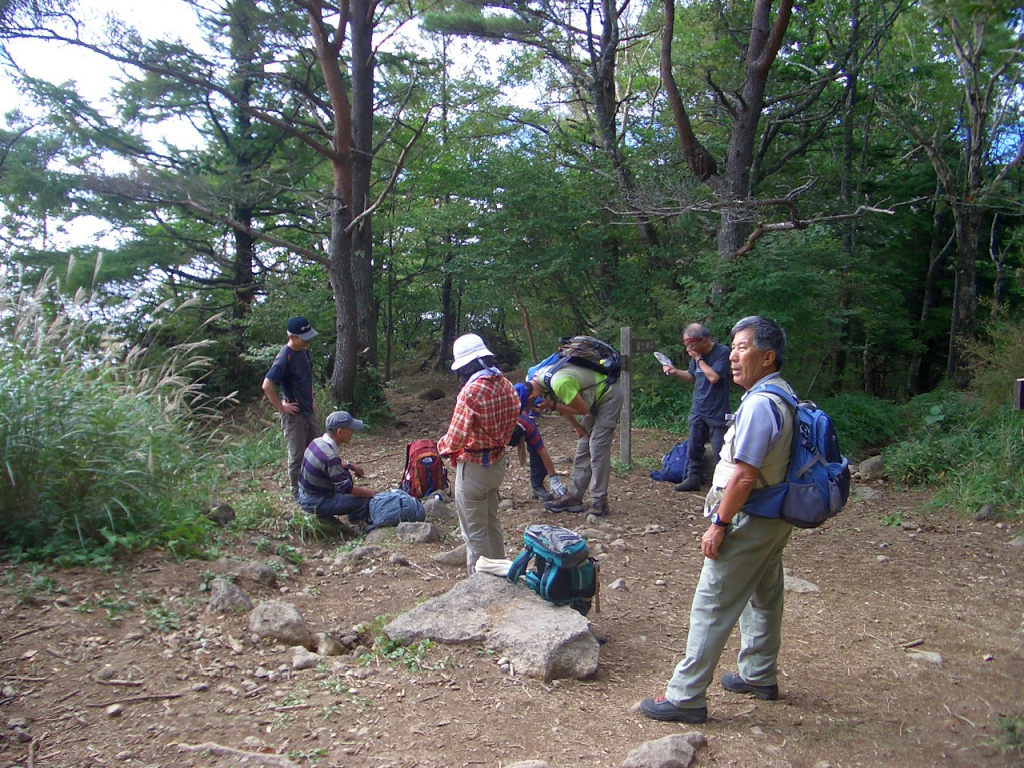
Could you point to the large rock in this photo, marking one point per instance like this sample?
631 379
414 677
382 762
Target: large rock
281 622
675 751
220 512
455 556
258 573
225 597
865 493
871 469
418 533
437 510
540 639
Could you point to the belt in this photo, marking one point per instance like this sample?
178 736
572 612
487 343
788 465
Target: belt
485 451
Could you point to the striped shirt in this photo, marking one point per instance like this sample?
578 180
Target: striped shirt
323 473
485 414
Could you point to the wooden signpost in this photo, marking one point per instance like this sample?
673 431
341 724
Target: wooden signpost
628 348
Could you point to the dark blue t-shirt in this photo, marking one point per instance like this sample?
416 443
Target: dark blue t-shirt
292 372
712 400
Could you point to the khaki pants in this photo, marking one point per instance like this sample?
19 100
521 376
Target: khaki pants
299 432
592 466
476 502
744 584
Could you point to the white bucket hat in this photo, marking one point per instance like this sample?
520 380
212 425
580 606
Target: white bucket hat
468 348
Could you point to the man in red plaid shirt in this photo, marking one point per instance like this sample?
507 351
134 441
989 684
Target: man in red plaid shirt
486 412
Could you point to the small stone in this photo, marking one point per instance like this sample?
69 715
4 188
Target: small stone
397 559
823 764
124 754
18 722
985 512
319 570
619 583
200 687
928 657
884 545
21 735
506 505
989 657
660 583
106 673
115 710
261 673
1017 542
882 559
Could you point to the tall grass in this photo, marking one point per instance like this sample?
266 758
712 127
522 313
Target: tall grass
968 452
99 444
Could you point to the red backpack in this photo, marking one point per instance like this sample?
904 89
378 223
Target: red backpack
425 472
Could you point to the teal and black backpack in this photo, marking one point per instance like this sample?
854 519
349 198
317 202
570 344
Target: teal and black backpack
563 572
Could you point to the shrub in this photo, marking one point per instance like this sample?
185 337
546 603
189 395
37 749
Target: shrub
862 421
99 445
970 455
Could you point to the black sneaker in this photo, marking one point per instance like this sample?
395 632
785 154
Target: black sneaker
733 682
565 504
540 493
691 483
663 709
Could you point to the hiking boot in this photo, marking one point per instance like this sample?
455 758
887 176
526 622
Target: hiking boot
663 709
691 483
540 493
600 509
733 682
565 504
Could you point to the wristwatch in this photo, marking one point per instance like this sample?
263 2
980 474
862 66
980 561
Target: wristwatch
716 520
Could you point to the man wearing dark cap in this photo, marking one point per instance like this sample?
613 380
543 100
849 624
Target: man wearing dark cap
292 372
326 488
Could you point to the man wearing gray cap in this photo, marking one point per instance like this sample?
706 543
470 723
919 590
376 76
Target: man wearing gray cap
326 488
292 372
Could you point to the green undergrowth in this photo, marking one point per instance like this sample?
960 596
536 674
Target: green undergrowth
104 445
969 453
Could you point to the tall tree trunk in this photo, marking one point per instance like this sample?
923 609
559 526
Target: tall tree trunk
362 65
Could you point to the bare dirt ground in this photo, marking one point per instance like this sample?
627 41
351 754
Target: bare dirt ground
74 642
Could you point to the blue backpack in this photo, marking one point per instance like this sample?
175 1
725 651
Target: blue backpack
675 465
817 483
564 572
393 507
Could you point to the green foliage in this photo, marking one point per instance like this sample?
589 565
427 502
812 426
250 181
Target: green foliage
661 402
165 619
1010 734
969 455
98 443
999 362
862 421
412 657
893 520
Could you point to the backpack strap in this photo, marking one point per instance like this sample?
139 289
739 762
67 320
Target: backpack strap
773 391
518 567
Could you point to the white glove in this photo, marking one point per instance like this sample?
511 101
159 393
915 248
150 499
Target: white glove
557 488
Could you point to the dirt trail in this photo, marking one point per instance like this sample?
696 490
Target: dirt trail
75 642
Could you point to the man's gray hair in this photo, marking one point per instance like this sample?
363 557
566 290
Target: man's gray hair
697 331
768 335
